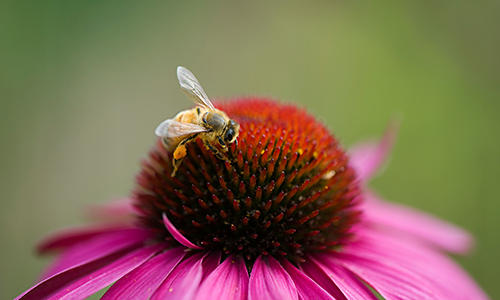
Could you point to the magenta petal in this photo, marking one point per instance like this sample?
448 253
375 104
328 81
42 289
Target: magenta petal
306 287
348 283
177 235
333 277
142 282
394 217
228 282
70 236
119 209
98 247
438 269
320 276
49 286
105 276
85 279
367 158
390 279
210 262
183 282
269 280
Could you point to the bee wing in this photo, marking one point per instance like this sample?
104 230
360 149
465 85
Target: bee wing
172 129
192 88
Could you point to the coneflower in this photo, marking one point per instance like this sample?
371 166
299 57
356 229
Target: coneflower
289 216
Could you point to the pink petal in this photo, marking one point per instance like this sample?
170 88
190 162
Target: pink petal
400 219
70 236
119 209
50 285
306 287
183 282
228 282
367 158
97 247
103 277
333 277
145 279
87 278
388 278
269 280
210 262
177 235
438 269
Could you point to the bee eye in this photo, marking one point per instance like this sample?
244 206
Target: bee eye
228 137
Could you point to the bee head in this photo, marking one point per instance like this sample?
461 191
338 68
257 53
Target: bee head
232 131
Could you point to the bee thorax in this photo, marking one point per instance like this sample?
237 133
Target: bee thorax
215 121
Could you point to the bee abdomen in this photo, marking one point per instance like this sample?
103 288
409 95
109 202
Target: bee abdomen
170 143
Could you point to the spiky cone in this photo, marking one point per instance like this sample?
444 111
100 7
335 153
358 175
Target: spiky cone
288 217
287 190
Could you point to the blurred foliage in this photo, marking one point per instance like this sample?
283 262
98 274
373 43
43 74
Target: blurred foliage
84 83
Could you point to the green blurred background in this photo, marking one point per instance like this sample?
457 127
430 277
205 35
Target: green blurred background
83 84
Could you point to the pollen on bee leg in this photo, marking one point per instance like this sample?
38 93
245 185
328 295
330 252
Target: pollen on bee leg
180 152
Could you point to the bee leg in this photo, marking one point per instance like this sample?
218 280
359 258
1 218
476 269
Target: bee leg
180 152
222 143
216 151
188 139
176 163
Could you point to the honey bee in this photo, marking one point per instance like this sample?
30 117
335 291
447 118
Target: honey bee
204 122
